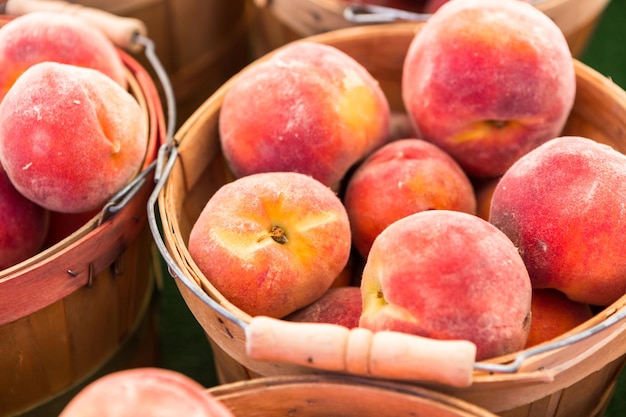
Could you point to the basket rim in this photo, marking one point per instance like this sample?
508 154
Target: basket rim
331 382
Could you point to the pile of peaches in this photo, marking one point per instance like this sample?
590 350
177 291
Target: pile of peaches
479 222
71 134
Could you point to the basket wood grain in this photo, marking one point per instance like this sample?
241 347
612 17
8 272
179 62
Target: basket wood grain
575 380
285 20
81 304
200 43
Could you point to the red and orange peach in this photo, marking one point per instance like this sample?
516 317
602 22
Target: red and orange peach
309 108
564 206
448 275
482 85
553 315
45 36
401 178
70 137
272 242
145 392
338 305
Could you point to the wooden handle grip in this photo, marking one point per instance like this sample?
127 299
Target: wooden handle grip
122 31
359 351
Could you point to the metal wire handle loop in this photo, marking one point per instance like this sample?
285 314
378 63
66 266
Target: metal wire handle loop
170 101
372 14
175 270
369 14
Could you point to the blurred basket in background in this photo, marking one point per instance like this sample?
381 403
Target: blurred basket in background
84 306
281 21
326 395
200 43
577 379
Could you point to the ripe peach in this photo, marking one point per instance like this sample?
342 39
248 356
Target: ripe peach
145 392
339 305
484 87
70 137
24 225
310 108
564 206
448 275
44 36
553 315
272 242
401 178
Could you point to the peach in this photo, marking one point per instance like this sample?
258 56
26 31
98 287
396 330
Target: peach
484 87
70 137
448 275
145 392
309 108
272 242
45 36
553 315
564 206
24 225
339 305
401 178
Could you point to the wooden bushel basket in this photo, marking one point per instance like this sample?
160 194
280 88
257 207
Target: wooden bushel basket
328 395
573 375
83 307
289 19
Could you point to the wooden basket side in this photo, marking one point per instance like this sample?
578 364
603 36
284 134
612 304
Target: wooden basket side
576 19
315 395
53 349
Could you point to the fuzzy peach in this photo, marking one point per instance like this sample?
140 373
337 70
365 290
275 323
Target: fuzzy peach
70 137
401 178
339 305
272 242
45 36
553 315
145 392
24 225
448 275
309 108
564 206
478 82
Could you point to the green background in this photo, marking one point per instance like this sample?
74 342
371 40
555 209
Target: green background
183 345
